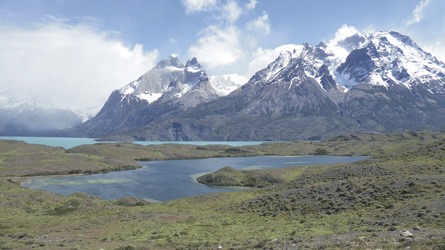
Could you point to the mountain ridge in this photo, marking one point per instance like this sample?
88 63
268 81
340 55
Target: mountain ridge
378 82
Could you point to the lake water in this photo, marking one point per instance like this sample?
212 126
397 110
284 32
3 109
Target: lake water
68 143
168 180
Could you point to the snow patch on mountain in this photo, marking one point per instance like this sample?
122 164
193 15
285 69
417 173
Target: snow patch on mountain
226 84
408 56
394 59
130 88
185 88
344 80
172 68
150 97
193 69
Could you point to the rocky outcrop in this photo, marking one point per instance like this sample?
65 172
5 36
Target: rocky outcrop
229 176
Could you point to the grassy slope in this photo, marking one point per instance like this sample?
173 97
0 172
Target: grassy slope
341 206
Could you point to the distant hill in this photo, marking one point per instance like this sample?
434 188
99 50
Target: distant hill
30 120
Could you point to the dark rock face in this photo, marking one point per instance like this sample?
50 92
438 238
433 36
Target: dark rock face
391 85
352 42
115 113
359 64
326 79
394 108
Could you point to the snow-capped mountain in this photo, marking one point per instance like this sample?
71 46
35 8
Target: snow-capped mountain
167 88
226 84
386 58
170 78
380 58
21 114
26 120
155 83
377 82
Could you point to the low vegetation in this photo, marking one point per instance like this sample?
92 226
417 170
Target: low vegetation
366 204
229 176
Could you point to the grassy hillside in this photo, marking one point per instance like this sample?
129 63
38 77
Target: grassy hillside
359 205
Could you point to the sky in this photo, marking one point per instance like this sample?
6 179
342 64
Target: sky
72 54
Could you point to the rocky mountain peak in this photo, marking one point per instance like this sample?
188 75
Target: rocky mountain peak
352 42
194 72
193 66
171 61
192 61
405 39
387 58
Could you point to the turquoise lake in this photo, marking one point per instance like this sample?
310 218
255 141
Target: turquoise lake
73 142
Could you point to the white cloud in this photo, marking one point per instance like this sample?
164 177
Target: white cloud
67 66
263 57
261 24
417 14
231 11
198 5
344 32
251 5
227 46
217 46
436 49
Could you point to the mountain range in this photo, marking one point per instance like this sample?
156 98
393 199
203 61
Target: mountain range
26 119
378 82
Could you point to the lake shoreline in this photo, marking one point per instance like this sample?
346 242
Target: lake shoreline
28 180
174 179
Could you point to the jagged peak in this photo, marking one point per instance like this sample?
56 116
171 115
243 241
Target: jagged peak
171 61
321 45
347 37
352 42
393 39
395 59
193 66
192 61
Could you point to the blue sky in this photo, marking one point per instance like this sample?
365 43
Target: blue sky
87 48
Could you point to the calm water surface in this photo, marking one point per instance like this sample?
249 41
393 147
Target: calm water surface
168 180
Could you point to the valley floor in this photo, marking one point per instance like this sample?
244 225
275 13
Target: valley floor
396 199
